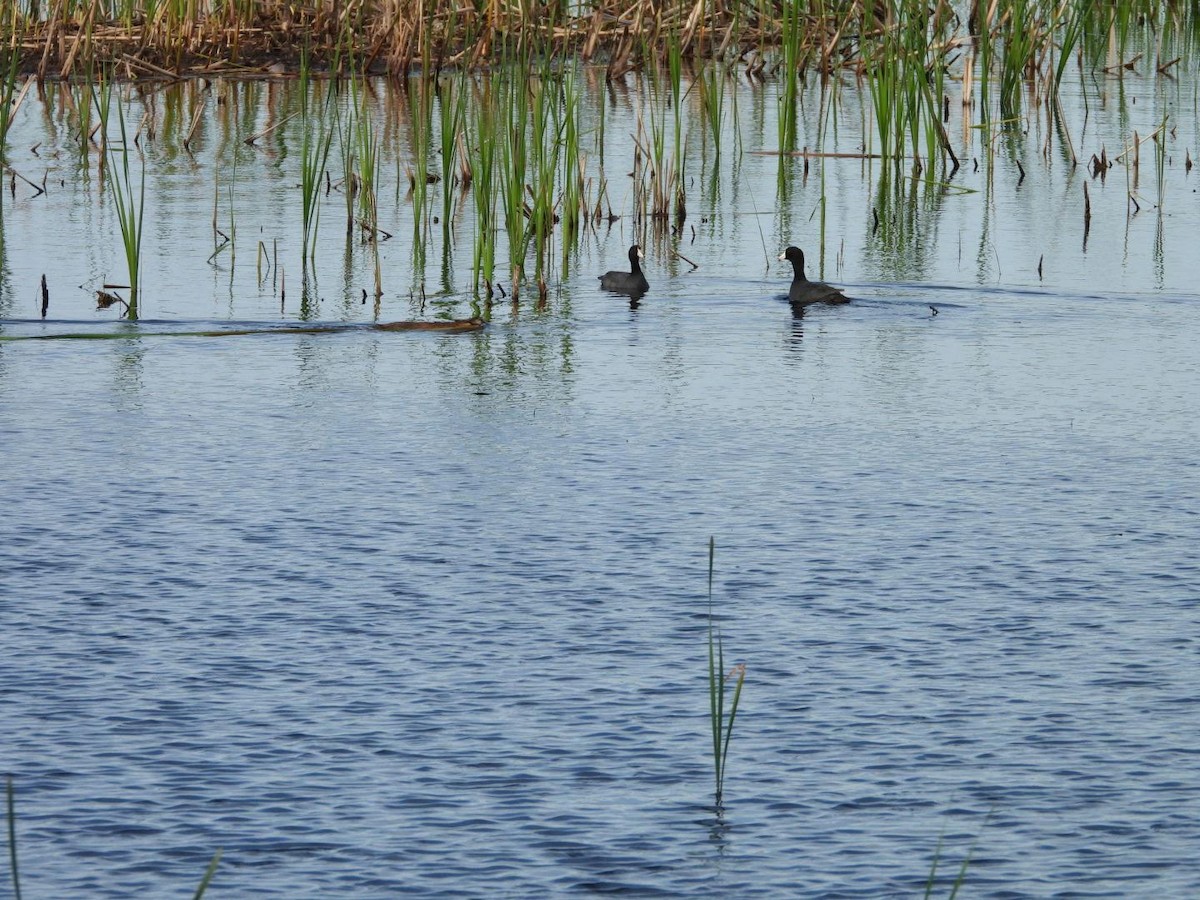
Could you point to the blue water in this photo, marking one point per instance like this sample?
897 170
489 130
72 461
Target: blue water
385 613
425 614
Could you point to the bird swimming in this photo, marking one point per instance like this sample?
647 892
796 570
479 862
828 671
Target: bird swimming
633 282
803 292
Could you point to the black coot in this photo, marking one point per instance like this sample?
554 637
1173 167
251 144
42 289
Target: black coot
803 292
633 282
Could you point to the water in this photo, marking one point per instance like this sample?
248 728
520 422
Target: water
425 614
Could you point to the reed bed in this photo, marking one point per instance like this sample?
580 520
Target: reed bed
1019 39
505 121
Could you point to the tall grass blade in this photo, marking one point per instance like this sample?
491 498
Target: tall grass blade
961 877
314 154
12 838
721 723
130 203
208 876
8 94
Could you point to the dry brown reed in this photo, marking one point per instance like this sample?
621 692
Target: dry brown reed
176 38
141 39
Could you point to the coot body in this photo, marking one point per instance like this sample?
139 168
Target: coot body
632 282
803 292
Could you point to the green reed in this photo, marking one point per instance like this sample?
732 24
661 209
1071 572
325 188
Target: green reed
574 205
11 815
514 157
658 179
81 101
1069 23
368 172
222 242
9 78
962 869
712 103
483 165
720 721
420 112
12 837
792 54
959 879
347 132
316 140
451 116
907 113
677 194
1160 162
128 199
1021 39
208 876
548 124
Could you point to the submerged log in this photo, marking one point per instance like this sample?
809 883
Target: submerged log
445 326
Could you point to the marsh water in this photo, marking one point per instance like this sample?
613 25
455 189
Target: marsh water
416 614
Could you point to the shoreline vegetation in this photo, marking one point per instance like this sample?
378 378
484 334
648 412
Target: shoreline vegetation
152 39
499 103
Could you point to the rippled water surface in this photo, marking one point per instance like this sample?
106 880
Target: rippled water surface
423 614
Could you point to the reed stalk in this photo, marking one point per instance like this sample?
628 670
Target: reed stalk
11 815
368 172
9 98
907 111
420 110
573 205
961 877
316 141
12 837
720 721
1021 29
208 876
451 116
347 130
1160 162
514 156
791 53
128 200
548 125
712 103
483 164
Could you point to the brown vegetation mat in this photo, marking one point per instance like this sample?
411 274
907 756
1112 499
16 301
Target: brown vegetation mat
58 39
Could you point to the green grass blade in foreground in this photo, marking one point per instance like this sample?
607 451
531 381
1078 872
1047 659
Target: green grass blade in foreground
714 685
962 869
712 669
12 839
12 849
208 876
933 867
720 723
740 671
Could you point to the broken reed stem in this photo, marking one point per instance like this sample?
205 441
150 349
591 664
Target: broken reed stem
1087 214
